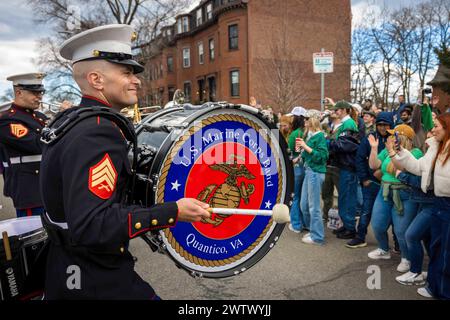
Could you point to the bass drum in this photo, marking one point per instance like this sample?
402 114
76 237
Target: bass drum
228 156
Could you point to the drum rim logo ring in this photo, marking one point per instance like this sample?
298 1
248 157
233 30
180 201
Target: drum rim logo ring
265 235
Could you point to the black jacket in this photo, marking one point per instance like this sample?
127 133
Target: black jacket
343 150
362 157
20 133
84 176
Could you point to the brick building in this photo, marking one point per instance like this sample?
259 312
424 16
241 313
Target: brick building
231 50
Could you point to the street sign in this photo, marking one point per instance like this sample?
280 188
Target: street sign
323 62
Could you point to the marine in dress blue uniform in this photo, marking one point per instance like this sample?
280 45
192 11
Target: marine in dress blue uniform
21 149
85 176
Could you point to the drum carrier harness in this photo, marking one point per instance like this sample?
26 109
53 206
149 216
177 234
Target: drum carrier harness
61 125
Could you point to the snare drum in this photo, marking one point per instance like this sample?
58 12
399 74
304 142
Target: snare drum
27 238
229 157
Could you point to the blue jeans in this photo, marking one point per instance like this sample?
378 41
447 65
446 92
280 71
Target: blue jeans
384 212
348 186
296 214
418 231
439 266
29 212
359 199
369 195
310 204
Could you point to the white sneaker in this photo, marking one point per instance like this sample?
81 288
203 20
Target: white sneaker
404 266
308 240
378 254
307 235
424 292
292 229
411 278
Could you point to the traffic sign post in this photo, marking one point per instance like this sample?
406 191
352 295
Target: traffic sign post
323 63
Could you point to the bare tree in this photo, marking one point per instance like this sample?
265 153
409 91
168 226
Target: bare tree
8 95
395 48
282 76
441 14
402 30
426 37
362 83
283 72
146 16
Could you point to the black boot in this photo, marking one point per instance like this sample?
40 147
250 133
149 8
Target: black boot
340 230
347 234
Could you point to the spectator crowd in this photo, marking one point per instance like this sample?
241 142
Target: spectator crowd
391 171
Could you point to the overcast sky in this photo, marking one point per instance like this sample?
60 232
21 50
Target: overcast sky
18 34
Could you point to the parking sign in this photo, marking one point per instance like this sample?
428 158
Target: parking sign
323 62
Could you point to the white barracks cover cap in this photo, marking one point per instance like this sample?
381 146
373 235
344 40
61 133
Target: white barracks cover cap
28 81
111 43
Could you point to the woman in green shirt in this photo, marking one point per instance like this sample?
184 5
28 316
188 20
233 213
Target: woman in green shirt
298 126
314 156
393 201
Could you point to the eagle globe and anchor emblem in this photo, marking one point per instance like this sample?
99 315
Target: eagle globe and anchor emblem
227 194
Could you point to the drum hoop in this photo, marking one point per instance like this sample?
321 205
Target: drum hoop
40 235
152 117
265 235
28 234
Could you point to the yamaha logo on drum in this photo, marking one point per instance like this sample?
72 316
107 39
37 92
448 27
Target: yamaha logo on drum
227 160
12 283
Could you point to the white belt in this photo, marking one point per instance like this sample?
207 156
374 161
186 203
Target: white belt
61 225
5 164
26 159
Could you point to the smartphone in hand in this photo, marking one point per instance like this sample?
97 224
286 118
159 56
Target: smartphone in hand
397 141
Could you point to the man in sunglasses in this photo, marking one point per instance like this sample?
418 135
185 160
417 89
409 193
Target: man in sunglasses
20 132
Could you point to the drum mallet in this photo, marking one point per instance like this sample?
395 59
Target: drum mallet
6 246
279 213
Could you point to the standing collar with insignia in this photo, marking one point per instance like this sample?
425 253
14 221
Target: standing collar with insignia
89 101
20 108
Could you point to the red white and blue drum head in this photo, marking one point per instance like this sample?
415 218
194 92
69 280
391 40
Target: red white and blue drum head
229 159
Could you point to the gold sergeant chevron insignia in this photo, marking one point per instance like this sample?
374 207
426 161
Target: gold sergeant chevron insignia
103 178
18 130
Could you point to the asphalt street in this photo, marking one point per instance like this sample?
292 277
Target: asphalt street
290 271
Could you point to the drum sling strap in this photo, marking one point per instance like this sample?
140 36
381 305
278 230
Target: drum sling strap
56 129
67 120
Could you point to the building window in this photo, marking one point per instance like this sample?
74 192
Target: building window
169 64
233 37
212 54
201 55
199 17
209 8
234 83
179 26
187 91
185 24
161 70
186 58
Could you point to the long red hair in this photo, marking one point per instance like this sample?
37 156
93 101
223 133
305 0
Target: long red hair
444 146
